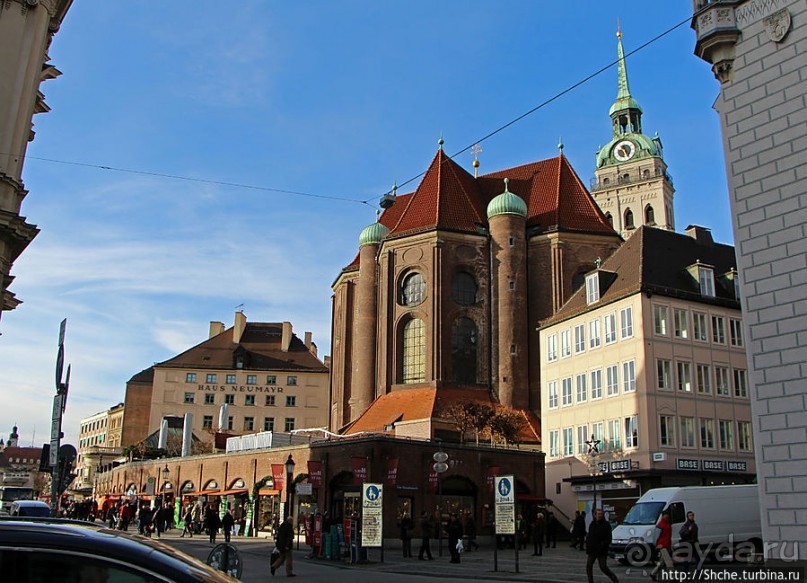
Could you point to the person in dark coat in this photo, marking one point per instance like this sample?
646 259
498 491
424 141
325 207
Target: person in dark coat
454 537
285 542
538 534
188 520
689 539
596 546
405 524
551 530
227 524
579 531
212 523
426 533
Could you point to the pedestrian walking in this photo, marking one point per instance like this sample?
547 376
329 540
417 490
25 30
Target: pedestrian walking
579 531
689 540
188 519
538 534
454 538
522 533
405 525
284 544
227 523
551 530
426 532
212 523
663 545
596 546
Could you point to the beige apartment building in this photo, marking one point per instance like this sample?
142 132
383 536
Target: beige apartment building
647 362
98 445
248 378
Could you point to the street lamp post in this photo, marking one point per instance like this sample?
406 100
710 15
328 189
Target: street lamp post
289 478
593 452
440 458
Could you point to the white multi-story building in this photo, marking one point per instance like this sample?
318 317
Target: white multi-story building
647 361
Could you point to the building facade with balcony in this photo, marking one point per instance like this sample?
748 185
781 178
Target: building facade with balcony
647 362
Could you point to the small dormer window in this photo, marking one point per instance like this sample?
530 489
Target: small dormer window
592 288
706 278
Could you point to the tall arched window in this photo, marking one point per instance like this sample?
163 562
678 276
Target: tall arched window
463 288
649 215
412 290
629 219
464 341
610 219
414 352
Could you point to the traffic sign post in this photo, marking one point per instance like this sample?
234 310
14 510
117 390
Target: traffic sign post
504 502
372 522
59 404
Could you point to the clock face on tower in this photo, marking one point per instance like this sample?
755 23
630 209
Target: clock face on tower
624 150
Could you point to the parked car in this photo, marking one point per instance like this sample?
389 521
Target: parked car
29 508
45 549
727 516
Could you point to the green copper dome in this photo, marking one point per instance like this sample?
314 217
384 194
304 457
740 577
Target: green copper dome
507 203
373 234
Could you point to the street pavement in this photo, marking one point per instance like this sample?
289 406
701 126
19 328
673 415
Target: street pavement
562 564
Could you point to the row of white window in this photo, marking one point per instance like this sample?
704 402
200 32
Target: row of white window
563 442
574 341
704 380
230 379
581 390
595 338
699 326
249 400
584 386
249 423
614 439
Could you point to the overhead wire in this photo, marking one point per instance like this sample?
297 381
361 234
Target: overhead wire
489 135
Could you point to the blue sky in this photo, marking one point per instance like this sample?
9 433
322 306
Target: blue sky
330 98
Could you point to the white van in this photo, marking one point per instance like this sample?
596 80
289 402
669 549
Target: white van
725 515
29 508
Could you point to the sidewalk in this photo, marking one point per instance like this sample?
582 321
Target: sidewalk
562 564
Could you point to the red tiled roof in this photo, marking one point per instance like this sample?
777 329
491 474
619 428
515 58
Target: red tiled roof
429 403
449 198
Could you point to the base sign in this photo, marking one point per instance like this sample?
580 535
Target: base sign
504 498
372 502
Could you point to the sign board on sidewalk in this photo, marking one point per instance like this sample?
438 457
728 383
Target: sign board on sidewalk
372 501
504 497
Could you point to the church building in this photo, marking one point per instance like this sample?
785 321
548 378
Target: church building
439 305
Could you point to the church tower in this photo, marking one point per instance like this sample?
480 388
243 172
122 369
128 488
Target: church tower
632 186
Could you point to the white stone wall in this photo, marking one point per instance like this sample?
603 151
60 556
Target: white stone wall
763 113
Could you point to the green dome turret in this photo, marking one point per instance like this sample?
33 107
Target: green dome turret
507 203
373 234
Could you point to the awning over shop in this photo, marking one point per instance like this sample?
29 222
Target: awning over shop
203 493
268 492
236 491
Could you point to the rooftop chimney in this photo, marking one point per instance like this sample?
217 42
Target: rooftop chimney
285 340
701 234
239 326
216 328
308 340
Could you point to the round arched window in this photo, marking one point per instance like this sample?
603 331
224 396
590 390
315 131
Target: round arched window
412 290
463 288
